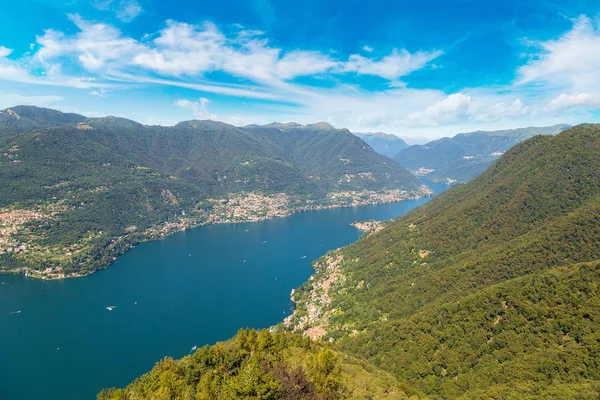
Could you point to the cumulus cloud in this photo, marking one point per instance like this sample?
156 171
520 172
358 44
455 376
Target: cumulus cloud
564 101
501 111
97 46
5 52
199 108
449 110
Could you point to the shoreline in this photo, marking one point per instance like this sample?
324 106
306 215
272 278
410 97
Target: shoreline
160 232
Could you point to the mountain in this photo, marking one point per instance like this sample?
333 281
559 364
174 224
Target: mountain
488 291
78 193
263 365
26 119
383 143
325 153
466 155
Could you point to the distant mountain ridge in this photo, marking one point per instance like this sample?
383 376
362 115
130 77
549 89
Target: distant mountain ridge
383 143
78 191
466 155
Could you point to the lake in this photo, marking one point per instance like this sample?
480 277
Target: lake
58 341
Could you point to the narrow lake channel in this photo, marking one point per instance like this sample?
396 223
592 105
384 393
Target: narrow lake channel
58 340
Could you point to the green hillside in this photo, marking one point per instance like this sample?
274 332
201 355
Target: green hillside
77 195
488 291
466 155
21 119
262 365
336 155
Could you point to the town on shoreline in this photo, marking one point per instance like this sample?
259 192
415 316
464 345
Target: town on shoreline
237 208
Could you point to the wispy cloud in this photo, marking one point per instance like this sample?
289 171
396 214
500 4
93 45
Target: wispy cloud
11 99
561 75
571 60
186 50
128 10
125 10
394 66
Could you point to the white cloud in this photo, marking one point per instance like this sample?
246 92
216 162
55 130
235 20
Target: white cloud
449 110
187 50
367 48
100 57
125 10
564 101
573 59
199 108
97 46
5 52
128 10
501 111
100 92
396 65
11 100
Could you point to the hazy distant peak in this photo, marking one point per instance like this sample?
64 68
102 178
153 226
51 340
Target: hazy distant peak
279 125
380 135
292 125
204 123
522 132
324 126
383 143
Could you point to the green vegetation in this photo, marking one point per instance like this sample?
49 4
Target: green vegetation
22 119
262 365
466 155
78 192
489 290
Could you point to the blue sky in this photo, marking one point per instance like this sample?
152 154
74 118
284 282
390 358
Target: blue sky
426 68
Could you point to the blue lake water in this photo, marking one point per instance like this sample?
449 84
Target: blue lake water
190 289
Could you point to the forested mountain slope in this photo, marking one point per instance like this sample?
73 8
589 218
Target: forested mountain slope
466 155
488 291
78 194
26 118
263 365
325 153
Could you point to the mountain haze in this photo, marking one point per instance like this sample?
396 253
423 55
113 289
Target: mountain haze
383 143
466 155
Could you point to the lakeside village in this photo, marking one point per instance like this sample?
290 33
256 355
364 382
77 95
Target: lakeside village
21 230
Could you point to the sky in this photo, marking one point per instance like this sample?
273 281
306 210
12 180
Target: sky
427 68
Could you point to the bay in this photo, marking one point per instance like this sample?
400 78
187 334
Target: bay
58 340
